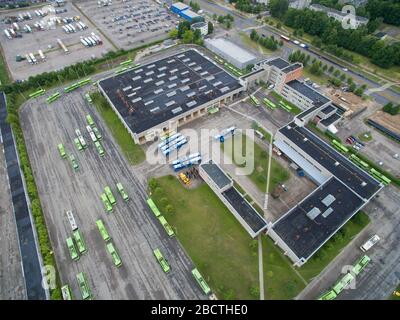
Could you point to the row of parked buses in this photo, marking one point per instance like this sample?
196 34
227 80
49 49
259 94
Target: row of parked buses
162 260
92 40
361 163
108 199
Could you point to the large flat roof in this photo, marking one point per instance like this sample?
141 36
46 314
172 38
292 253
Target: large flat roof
317 98
216 174
159 91
231 49
313 221
342 168
279 63
245 210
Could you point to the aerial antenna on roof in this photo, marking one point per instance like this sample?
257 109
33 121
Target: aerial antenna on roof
130 108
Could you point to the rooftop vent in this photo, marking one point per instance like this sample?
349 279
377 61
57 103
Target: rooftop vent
327 212
328 200
313 213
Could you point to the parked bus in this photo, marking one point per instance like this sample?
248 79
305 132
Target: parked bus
255 101
114 254
153 207
125 63
37 93
360 265
166 226
88 98
343 283
330 295
53 97
71 219
122 191
269 103
200 280
83 286
338 146
78 144
79 241
66 292
97 133
61 150
285 106
110 195
370 243
103 231
106 203
89 120
74 163
162 261
285 38
72 250
98 146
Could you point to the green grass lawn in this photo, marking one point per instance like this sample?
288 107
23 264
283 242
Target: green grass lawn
133 152
260 156
333 247
365 136
220 247
254 45
4 78
275 97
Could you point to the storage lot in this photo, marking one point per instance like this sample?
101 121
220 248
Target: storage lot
133 228
46 40
130 23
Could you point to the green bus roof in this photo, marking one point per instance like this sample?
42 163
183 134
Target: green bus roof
110 195
330 295
72 250
61 150
116 259
83 286
166 226
66 292
153 207
106 202
97 133
200 280
163 263
79 241
103 230
122 191
89 120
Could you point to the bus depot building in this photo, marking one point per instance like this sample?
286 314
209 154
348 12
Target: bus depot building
168 93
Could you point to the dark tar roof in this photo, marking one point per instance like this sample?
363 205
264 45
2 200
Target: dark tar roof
317 98
159 91
326 156
292 67
328 109
216 174
245 210
279 63
331 119
304 235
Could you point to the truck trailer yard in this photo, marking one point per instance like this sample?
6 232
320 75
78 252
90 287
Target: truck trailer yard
42 41
133 228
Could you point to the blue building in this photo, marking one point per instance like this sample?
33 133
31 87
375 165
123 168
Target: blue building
178 7
184 12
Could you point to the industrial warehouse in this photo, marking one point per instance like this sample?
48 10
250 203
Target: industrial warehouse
167 93
343 190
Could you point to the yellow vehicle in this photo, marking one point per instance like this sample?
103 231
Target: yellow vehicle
184 178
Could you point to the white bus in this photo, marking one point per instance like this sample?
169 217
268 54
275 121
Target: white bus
370 243
71 220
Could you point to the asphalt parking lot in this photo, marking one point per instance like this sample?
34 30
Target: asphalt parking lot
12 285
130 23
132 226
45 39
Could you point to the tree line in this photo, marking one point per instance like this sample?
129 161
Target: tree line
248 6
268 42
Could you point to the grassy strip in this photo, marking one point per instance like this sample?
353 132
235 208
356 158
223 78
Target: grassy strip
4 78
295 110
334 246
36 208
259 175
219 246
133 152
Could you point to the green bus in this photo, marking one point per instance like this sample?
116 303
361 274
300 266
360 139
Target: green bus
114 254
269 103
126 62
343 283
200 280
79 241
122 191
72 250
285 106
88 98
360 265
61 150
78 144
83 286
359 162
74 163
84 82
110 195
103 230
162 261
166 226
97 133
72 87
37 93
255 101
330 295
53 97
380 176
99 148
89 120
66 292
153 207
106 203
338 146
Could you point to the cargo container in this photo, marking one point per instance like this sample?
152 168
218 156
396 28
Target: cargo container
42 56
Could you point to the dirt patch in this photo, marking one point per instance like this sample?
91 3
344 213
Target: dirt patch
388 121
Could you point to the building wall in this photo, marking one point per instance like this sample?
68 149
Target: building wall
296 98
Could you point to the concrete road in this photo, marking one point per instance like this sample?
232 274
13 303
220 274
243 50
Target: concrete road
133 228
12 286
